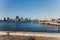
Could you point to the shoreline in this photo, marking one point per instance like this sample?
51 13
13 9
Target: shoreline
14 37
49 24
37 34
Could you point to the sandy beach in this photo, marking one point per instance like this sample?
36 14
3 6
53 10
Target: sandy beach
28 36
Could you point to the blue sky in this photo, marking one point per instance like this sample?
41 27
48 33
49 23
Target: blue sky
35 9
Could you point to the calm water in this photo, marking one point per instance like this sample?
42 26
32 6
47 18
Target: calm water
29 27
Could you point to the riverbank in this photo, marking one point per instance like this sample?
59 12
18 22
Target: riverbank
52 24
28 35
14 37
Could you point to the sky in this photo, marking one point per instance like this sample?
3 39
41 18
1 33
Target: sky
34 9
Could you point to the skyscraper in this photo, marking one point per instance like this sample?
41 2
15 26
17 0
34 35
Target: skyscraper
8 18
17 18
4 19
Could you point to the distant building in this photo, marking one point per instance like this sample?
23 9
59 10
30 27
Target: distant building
26 19
29 20
12 20
22 19
4 19
8 19
17 18
53 20
58 21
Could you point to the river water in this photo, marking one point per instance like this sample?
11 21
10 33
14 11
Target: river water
28 27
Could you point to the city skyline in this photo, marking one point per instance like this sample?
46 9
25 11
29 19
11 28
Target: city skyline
34 9
18 17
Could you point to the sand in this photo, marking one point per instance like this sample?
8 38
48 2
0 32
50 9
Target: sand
10 37
29 36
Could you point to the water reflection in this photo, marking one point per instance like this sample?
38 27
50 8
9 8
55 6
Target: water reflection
30 27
